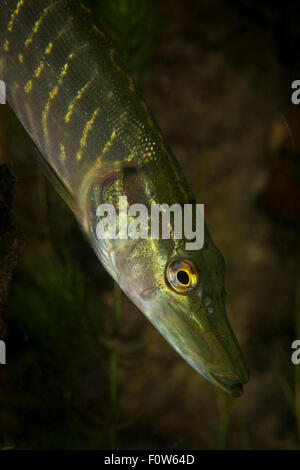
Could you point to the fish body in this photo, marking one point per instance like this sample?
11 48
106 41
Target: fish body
99 141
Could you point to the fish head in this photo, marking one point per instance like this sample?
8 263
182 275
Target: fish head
180 291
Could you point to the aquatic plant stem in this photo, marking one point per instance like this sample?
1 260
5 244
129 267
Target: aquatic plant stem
297 368
113 367
224 420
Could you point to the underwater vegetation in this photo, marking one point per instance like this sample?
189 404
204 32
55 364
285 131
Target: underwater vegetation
85 369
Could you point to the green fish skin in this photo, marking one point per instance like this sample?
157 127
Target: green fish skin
99 141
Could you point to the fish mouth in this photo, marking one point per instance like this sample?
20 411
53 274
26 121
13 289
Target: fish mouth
232 387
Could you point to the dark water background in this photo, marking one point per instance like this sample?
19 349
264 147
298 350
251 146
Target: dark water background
217 74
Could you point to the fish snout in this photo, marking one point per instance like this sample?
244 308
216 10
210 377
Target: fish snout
228 369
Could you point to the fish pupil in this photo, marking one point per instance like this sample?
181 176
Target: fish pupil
183 277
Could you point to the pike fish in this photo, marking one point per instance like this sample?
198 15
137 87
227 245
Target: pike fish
98 141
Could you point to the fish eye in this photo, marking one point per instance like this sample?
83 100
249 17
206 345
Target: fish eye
182 275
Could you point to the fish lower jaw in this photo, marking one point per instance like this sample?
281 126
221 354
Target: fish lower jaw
233 388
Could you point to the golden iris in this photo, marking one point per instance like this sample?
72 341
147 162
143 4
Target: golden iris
182 275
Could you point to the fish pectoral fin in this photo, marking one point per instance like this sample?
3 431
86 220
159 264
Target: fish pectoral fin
55 180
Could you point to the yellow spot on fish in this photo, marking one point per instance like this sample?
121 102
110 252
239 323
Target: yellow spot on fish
15 14
21 58
39 70
55 90
86 130
109 143
61 32
47 107
52 95
49 48
38 23
78 96
28 86
62 152
37 73
65 68
6 45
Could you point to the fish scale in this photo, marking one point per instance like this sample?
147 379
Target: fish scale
76 48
